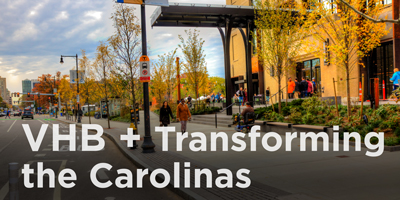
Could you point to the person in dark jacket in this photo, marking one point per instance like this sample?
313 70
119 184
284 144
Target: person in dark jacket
304 87
267 95
297 89
165 112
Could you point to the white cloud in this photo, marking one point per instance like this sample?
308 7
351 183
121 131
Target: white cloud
63 15
92 16
11 71
27 31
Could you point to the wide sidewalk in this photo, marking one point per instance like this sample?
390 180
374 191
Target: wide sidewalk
297 174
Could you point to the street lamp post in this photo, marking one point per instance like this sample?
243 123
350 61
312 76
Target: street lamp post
147 145
77 83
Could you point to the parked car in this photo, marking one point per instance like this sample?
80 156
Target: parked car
2 114
17 113
27 114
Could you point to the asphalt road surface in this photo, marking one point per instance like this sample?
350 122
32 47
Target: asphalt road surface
14 147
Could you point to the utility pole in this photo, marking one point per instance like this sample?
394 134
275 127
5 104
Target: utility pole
178 78
148 145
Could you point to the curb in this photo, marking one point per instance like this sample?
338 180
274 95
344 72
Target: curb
182 192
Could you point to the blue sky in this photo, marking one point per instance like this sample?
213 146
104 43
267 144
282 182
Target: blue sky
34 33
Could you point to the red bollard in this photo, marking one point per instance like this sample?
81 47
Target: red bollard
384 90
360 92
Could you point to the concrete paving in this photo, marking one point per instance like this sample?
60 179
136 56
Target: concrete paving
319 175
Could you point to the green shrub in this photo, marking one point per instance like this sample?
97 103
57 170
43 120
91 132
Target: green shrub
397 131
376 123
374 140
391 141
91 113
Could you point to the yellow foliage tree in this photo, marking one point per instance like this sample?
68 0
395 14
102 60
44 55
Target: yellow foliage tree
279 32
195 64
350 36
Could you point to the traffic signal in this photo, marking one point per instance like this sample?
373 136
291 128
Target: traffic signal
29 94
17 94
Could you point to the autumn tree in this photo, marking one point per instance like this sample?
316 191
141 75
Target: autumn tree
67 91
279 32
367 15
158 84
350 37
46 85
126 47
217 84
90 92
194 66
103 66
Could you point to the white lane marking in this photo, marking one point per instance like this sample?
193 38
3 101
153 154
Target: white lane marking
46 149
40 155
8 144
11 126
57 190
66 148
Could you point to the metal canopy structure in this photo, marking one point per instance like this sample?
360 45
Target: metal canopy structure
201 15
214 16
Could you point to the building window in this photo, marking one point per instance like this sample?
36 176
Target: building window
310 69
385 2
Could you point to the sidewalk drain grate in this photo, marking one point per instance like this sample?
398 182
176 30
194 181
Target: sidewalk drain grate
343 156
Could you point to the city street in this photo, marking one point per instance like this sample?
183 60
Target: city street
14 147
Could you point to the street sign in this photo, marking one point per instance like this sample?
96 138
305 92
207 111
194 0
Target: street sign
32 105
144 69
73 78
146 2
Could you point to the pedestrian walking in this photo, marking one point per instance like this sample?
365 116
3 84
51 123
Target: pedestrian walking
310 88
218 97
8 114
212 97
240 94
303 87
315 89
165 113
396 80
245 99
291 87
297 88
267 95
183 115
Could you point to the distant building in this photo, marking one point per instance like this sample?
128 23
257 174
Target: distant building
8 96
15 98
34 82
3 89
26 86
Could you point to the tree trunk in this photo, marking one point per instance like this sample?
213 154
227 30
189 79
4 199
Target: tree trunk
90 121
279 94
105 91
348 91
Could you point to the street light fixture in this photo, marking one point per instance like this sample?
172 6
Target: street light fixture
77 83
